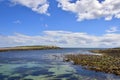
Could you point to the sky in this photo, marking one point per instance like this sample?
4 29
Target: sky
64 23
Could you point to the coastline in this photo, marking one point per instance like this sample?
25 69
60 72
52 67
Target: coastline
21 48
108 61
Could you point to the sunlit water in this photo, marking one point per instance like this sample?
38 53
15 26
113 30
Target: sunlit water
46 65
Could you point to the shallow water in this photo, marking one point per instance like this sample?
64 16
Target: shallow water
46 65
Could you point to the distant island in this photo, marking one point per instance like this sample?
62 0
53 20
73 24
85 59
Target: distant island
28 48
108 61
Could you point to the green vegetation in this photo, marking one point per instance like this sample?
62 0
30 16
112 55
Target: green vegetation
108 62
114 52
28 48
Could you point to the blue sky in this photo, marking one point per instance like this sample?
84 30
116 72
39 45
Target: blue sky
17 17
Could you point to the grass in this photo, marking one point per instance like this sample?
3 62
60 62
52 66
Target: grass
28 48
108 62
114 52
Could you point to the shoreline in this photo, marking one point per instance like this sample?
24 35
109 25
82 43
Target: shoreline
21 48
108 61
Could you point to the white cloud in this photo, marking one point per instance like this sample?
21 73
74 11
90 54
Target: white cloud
92 9
112 30
63 39
39 6
17 22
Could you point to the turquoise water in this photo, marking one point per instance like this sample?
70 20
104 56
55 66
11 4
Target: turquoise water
46 65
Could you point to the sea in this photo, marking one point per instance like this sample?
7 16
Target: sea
47 65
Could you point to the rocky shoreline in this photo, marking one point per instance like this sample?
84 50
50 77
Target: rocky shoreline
108 62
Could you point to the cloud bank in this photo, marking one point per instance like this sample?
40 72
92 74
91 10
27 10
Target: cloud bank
84 9
39 6
63 39
92 9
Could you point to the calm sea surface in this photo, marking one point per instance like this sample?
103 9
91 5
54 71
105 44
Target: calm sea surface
46 65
